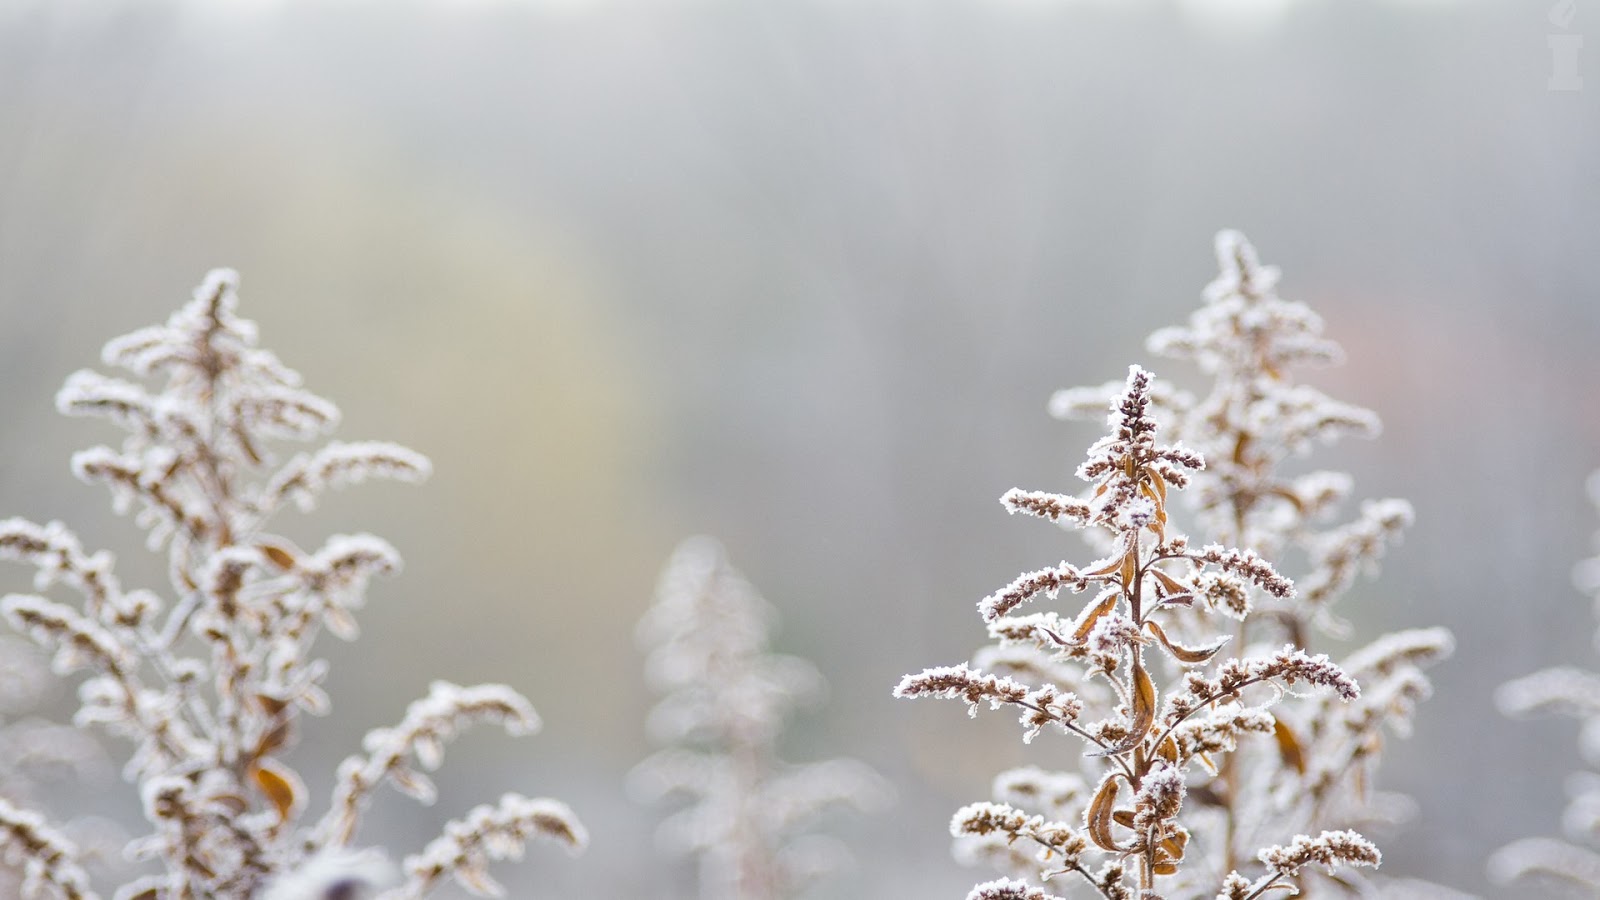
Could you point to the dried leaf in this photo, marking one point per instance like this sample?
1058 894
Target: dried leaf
280 556
275 738
1130 568
1293 498
1098 816
1184 654
1172 585
1091 615
1159 483
1144 713
280 785
1289 749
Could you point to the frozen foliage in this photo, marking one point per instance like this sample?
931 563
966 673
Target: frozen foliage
209 688
1196 757
1572 692
725 699
1318 772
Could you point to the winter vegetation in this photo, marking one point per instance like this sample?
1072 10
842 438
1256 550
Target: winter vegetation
1210 731
1571 866
725 698
208 679
1225 754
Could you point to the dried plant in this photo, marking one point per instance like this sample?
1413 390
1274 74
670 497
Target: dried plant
209 688
1572 692
725 701
1255 762
1319 771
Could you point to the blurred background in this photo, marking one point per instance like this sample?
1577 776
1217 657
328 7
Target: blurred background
803 274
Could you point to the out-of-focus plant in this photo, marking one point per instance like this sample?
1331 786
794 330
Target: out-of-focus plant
1565 690
725 699
209 684
1255 761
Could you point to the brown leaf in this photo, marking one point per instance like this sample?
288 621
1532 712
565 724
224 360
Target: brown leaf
1130 568
1143 714
271 705
1097 817
1091 615
1159 524
275 738
1173 585
281 556
1181 653
1159 483
1144 701
1293 498
281 786
1170 853
1289 749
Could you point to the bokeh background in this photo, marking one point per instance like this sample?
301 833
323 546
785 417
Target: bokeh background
802 274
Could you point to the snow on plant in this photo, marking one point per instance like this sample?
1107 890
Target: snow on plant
1174 725
724 704
1573 692
209 688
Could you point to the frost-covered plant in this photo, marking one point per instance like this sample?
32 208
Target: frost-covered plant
1251 422
725 701
1150 708
1256 765
209 687
1570 691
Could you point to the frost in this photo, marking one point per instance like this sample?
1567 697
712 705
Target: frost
1275 743
208 689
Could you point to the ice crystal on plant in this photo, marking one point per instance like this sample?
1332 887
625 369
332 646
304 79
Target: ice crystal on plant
725 700
209 686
